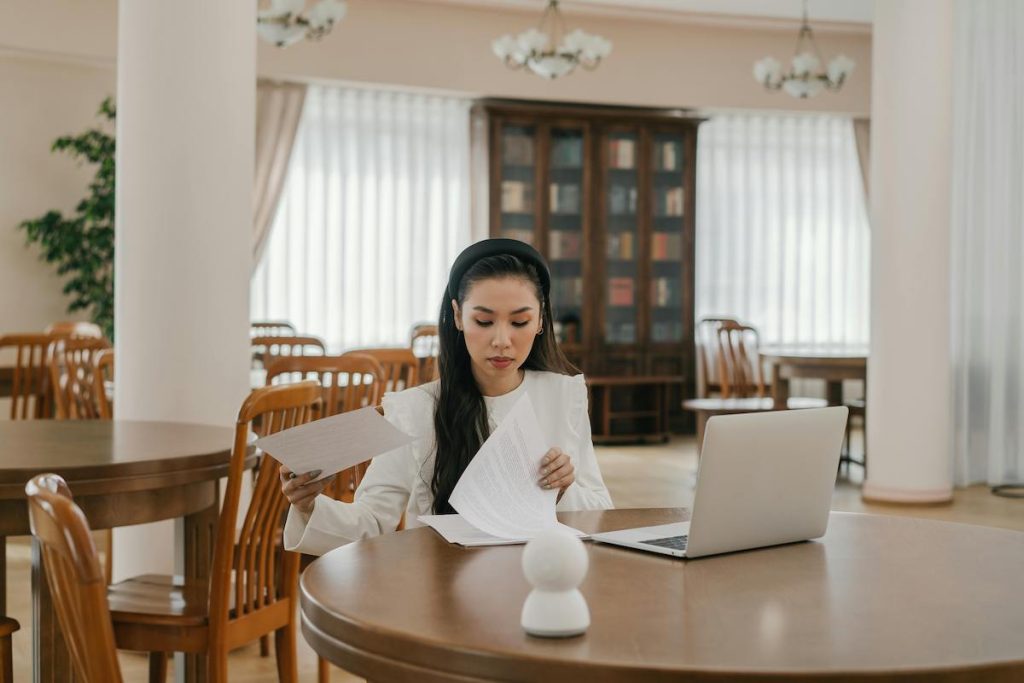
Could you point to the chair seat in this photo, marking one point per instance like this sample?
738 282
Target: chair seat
750 405
158 599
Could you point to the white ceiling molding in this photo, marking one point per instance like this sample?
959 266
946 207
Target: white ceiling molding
828 16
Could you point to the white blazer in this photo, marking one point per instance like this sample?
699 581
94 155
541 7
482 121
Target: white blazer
399 481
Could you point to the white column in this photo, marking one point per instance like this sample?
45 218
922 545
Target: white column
186 79
908 399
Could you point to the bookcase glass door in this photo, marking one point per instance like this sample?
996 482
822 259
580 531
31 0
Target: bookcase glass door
667 265
565 234
518 180
621 238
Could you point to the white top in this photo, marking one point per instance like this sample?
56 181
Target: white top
399 481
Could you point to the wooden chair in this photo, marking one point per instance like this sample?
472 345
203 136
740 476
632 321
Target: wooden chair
71 366
7 628
858 411
76 580
707 343
348 382
265 348
253 587
425 344
401 367
74 328
102 374
31 396
741 378
271 328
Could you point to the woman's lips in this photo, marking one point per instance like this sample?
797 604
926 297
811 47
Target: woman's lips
500 362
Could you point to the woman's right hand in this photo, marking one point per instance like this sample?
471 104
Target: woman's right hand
300 490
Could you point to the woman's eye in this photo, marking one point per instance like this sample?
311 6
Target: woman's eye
522 324
484 323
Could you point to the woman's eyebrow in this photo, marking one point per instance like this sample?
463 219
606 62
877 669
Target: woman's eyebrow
484 309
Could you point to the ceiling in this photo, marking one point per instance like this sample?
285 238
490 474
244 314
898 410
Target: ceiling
853 12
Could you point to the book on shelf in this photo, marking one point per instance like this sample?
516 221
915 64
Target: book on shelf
564 198
622 200
620 291
517 149
567 292
620 245
621 153
666 246
565 244
665 291
567 152
518 234
516 196
669 202
666 156
620 333
667 331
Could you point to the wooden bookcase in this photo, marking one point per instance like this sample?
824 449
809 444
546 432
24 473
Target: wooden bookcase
607 195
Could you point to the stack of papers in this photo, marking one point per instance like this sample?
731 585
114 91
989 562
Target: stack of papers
498 497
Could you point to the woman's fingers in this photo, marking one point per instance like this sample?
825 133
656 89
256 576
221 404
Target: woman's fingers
556 469
301 490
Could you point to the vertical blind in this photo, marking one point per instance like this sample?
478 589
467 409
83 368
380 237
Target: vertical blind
374 210
782 230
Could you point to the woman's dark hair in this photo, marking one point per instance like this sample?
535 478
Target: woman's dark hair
460 415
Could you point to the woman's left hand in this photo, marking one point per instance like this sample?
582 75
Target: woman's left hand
556 471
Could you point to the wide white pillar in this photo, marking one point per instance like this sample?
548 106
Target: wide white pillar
908 394
186 79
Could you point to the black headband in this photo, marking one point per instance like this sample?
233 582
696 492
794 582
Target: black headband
497 247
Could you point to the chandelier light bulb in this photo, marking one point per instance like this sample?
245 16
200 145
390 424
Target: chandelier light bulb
283 24
806 77
548 50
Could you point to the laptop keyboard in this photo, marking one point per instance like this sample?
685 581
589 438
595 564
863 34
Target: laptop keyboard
673 542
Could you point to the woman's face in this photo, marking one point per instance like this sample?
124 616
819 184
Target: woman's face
500 319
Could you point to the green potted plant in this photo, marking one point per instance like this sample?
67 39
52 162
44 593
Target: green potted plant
82 245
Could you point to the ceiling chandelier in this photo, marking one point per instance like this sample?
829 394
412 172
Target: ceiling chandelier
548 50
805 77
284 23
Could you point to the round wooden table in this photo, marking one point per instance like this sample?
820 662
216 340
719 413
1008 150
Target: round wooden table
120 473
878 598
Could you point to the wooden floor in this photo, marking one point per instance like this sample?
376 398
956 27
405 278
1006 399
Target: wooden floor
637 476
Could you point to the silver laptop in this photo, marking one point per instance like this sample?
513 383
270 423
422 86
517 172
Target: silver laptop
764 479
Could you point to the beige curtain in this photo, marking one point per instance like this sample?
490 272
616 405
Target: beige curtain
278 111
862 134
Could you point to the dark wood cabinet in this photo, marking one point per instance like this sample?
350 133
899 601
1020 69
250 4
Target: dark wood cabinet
607 195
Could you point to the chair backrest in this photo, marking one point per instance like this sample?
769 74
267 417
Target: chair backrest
71 364
74 328
266 347
401 367
708 381
263 575
271 328
31 396
102 373
76 579
348 382
739 362
426 345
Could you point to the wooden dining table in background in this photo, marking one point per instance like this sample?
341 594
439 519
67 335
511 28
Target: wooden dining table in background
830 362
877 598
120 473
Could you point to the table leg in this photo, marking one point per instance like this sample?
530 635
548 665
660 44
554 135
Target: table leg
195 535
51 659
3 576
780 388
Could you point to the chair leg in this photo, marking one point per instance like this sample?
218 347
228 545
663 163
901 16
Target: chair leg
6 660
265 645
217 665
323 670
157 667
284 648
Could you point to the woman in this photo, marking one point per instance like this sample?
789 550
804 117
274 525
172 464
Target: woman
497 343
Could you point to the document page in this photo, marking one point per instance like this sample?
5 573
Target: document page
334 443
499 492
455 529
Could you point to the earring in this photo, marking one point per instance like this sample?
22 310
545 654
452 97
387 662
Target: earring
540 331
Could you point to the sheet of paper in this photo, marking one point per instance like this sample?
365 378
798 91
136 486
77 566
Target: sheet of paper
334 443
455 529
499 492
